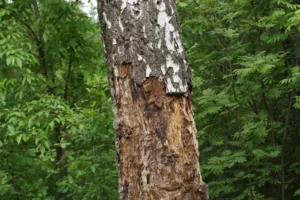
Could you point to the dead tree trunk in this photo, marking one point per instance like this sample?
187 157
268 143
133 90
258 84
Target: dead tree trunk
150 80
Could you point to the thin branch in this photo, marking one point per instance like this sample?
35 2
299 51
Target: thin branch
63 13
92 36
59 17
36 9
38 17
224 76
41 43
68 77
283 143
27 26
198 4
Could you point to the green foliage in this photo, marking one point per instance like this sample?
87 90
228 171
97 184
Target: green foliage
244 55
56 135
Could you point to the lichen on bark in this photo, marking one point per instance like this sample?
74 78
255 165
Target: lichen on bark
147 34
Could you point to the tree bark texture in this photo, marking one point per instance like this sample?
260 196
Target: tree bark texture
150 80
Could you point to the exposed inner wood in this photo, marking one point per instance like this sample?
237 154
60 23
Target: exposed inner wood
156 141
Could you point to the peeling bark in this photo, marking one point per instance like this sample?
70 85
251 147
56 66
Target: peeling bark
157 149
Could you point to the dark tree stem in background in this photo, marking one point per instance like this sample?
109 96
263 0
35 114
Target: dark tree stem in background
150 80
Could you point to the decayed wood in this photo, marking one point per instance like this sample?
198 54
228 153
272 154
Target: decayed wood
157 149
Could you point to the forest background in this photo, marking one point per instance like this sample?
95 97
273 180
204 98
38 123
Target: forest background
56 124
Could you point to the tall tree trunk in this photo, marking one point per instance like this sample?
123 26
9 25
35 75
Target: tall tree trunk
157 149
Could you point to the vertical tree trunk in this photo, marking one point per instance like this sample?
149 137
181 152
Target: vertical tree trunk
157 149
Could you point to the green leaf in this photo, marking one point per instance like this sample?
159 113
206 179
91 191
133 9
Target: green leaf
19 62
63 145
29 123
11 130
93 169
9 60
2 12
51 125
297 193
182 4
19 138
